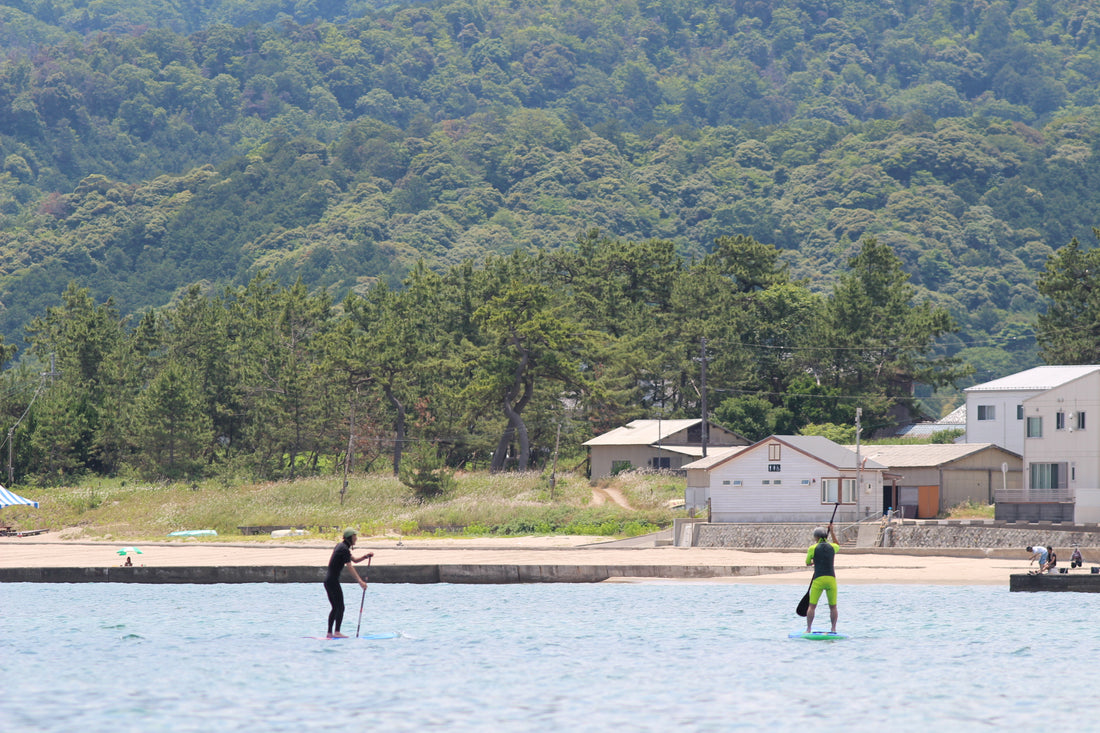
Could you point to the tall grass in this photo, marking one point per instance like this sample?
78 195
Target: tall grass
378 504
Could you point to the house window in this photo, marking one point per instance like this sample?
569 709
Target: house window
805 482
773 451
829 488
1059 421
737 482
660 462
767 482
987 412
1080 421
777 482
1019 412
1047 475
1035 427
618 467
725 482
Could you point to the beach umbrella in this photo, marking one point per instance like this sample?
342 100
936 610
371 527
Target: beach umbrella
130 550
10 498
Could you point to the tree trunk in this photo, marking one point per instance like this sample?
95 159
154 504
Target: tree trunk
399 429
516 426
351 446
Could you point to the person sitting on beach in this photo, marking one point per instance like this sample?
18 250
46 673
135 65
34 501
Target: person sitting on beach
1038 552
1075 560
129 563
1051 563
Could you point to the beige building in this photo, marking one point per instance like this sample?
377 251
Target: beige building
654 444
929 479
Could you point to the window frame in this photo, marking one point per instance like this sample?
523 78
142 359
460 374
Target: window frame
846 487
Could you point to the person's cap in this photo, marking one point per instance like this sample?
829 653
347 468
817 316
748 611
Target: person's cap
820 533
349 533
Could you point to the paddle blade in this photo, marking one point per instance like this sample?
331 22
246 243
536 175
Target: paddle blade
803 605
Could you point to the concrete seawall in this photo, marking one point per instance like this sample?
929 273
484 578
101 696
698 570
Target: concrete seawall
485 574
907 534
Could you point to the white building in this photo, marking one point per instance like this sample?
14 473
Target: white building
995 410
785 478
1050 416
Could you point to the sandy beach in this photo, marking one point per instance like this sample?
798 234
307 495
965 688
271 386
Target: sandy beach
946 567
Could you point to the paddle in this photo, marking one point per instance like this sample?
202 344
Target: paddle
804 605
361 600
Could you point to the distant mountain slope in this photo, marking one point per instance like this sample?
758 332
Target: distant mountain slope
150 145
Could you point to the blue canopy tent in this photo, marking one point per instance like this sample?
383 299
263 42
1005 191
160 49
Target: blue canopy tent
9 498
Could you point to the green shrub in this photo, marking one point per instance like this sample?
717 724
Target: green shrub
424 471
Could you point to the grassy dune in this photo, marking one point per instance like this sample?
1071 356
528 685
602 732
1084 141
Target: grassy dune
480 504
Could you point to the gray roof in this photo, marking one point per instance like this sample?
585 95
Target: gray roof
927 455
826 450
815 446
643 432
1039 378
715 456
953 420
955 417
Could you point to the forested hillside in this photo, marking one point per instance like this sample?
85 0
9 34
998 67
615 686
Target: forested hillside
148 146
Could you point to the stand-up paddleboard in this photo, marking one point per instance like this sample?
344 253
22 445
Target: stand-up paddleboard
816 635
367 637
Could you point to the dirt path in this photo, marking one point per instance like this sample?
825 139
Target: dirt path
602 496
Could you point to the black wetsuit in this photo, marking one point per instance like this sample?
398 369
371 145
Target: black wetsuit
341 556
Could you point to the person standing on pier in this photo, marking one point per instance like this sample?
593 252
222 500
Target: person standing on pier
341 558
1038 553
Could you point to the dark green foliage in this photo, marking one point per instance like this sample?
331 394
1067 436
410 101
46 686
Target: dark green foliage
425 472
947 436
482 365
1069 329
720 163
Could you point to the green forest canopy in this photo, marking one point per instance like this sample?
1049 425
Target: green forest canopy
481 366
150 146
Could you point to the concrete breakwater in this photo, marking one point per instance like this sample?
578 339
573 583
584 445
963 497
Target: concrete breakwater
1067 582
486 574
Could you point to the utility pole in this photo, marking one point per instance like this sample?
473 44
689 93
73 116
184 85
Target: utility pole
554 470
859 464
703 394
52 374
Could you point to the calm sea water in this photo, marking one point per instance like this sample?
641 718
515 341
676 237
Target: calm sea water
653 656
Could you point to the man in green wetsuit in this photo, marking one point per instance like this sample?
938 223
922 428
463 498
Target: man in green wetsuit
821 555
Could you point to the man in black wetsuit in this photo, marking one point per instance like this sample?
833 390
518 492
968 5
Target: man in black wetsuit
341 556
821 555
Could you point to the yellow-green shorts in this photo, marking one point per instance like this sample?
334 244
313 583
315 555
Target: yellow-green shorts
825 583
